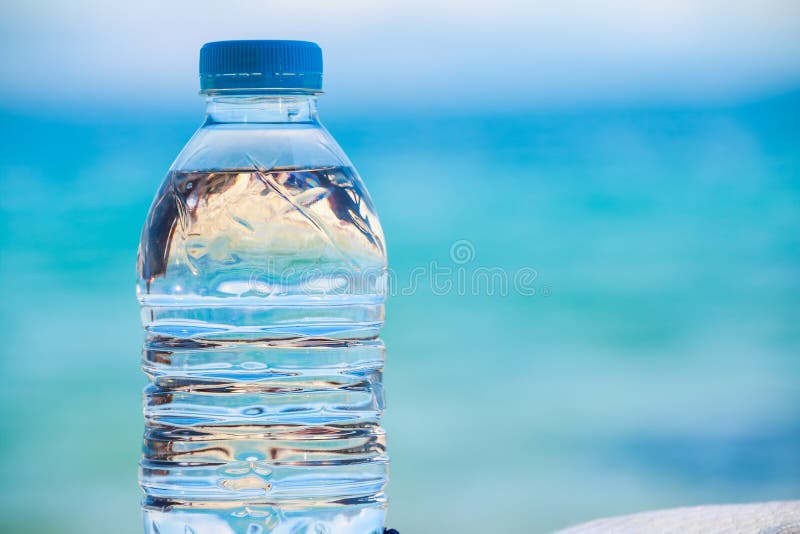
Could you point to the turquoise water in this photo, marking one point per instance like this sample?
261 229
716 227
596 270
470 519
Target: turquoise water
656 364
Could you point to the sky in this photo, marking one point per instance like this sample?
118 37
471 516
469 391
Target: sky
413 54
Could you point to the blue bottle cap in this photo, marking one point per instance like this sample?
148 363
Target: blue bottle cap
230 66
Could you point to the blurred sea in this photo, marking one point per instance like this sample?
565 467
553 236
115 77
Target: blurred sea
657 365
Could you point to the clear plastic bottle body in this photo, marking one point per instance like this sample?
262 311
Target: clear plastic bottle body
262 273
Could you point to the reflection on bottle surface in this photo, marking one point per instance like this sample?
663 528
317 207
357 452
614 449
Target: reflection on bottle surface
262 295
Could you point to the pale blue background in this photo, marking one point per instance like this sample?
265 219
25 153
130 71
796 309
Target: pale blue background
644 158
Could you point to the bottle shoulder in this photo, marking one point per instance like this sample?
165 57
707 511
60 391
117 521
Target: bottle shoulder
216 146
249 212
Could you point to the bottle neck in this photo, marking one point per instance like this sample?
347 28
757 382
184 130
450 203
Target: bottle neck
262 108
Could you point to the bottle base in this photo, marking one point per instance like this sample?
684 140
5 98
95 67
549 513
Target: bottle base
249 518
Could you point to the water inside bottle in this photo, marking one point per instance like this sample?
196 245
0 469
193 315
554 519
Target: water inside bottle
262 296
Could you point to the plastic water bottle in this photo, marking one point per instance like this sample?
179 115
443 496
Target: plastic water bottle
262 279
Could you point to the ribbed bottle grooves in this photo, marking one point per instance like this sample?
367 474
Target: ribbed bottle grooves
340 319
263 421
